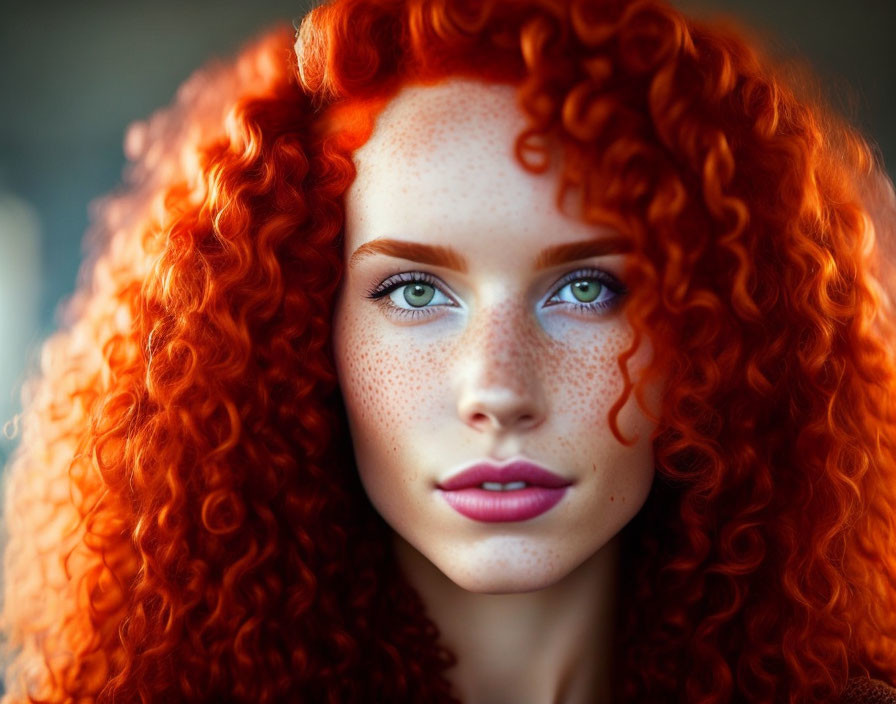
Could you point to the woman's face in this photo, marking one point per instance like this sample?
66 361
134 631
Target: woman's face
468 331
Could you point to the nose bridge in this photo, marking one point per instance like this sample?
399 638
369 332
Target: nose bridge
499 381
500 342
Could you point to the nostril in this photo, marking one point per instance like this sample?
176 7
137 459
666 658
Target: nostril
482 420
479 418
498 410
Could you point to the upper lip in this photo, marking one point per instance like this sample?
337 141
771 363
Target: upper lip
514 471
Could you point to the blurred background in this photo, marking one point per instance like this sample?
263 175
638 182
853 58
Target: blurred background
76 74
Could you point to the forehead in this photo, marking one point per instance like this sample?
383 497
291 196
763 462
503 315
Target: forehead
425 119
441 162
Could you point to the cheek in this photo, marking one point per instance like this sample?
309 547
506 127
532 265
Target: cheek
584 379
389 384
585 385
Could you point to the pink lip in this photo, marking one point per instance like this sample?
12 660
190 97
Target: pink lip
463 494
516 471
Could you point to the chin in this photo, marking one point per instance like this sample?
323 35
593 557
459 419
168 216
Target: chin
502 577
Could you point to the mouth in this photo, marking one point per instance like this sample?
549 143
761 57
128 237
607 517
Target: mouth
512 492
513 476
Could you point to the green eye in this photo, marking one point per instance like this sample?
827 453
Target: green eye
419 294
411 292
585 290
589 290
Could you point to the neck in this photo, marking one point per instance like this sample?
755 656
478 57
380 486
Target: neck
550 646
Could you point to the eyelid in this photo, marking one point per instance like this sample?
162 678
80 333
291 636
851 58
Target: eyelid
606 279
390 283
381 295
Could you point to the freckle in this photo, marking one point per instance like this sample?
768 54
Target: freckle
612 499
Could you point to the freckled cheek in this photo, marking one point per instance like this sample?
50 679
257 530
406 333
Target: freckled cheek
584 384
584 377
389 380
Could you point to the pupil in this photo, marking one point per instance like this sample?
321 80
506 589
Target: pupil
585 291
419 294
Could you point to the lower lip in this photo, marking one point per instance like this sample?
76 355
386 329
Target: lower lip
503 506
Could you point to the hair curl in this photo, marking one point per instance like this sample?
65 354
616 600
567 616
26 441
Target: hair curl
185 523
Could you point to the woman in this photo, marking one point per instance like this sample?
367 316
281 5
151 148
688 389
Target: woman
489 352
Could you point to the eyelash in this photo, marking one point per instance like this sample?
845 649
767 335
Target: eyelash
381 292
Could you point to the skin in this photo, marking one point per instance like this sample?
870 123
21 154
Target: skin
498 364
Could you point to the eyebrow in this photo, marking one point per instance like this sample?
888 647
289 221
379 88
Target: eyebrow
449 258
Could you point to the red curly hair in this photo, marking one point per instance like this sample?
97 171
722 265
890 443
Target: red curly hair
184 520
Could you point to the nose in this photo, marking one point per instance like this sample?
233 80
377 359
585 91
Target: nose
498 410
499 386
